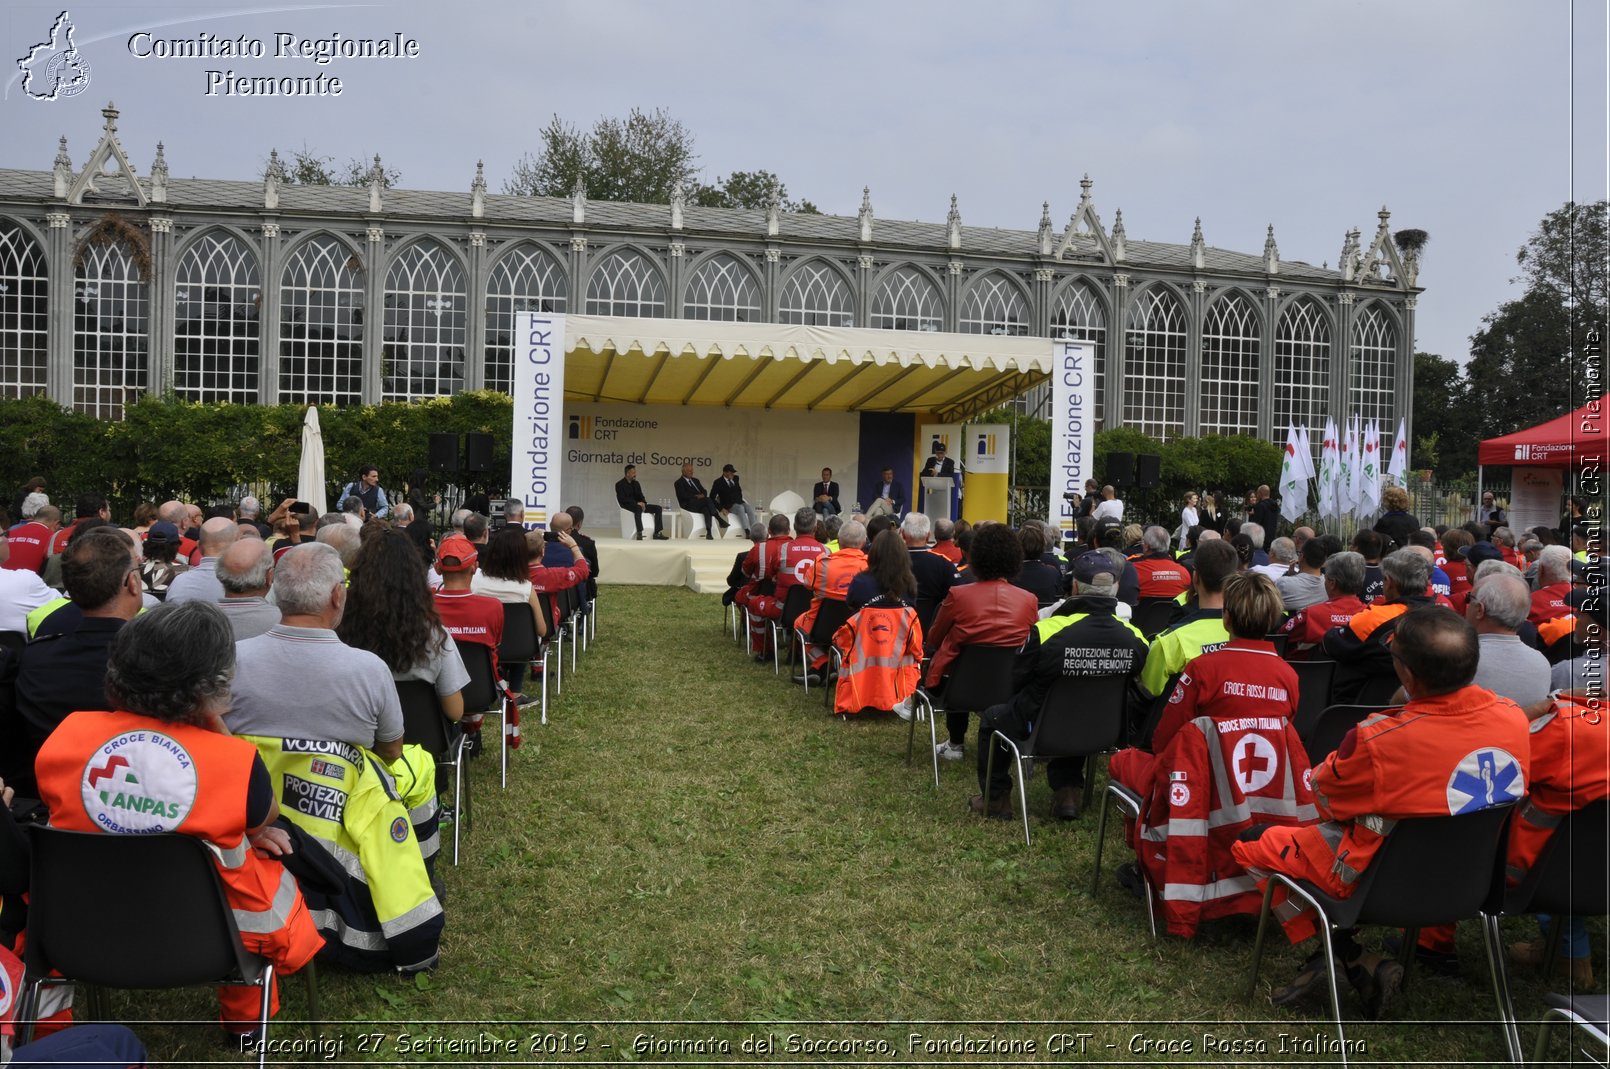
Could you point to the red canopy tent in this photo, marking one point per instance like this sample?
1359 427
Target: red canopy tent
1569 441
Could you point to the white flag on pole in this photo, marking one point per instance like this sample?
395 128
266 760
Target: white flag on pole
1398 467
1305 452
1329 463
1347 487
1369 498
1293 483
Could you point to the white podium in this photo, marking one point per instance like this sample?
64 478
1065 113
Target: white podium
936 491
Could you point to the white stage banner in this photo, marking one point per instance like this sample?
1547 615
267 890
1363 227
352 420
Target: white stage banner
989 448
1073 417
539 397
935 434
1535 497
775 451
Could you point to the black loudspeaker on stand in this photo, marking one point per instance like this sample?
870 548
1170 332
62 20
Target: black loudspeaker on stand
443 451
1120 469
1148 470
477 452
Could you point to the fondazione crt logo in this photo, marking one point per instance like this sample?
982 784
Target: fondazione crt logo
54 69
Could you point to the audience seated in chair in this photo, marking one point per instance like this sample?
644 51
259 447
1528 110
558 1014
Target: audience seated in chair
1453 748
173 766
1361 648
1226 757
829 578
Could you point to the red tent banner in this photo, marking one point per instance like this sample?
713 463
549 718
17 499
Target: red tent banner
1573 440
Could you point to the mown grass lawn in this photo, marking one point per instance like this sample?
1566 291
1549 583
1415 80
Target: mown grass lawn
693 842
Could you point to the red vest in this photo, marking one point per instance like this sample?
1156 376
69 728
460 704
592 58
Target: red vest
1162 577
1570 769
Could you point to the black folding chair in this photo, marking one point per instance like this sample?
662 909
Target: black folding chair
927 609
426 725
172 925
521 645
1429 871
1081 716
1278 640
1313 692
484 692
980 676
570 607
1567 879
830 616
1151 615
556 639
1130 802
795 602
1331 726
13 641
1590 1014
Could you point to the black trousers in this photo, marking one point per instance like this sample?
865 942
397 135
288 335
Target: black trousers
1006 720
655 510
708 510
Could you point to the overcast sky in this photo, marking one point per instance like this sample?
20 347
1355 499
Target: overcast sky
1460 116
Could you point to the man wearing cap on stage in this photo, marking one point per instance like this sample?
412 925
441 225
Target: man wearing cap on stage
888 496
629 496
729 497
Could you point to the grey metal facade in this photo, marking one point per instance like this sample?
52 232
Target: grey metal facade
215 275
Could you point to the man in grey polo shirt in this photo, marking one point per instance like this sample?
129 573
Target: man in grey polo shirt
1507 666
297 680
246 570
201 582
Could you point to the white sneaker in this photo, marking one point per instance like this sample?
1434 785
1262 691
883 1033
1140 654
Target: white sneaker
950 751
903 709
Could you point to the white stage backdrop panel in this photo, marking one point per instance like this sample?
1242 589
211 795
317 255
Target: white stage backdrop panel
1073 418
1535 496
539 392
773 451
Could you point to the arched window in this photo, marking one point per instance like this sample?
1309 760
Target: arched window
110 308
1154 365
625 284
23 310
722 288
216 298
815 295
1302 369
1372 379
906 300
1078 315
526 279
992 305
1230 340
423 354
321 325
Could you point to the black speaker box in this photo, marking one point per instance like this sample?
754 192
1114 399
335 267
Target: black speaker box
1120 469
1148 470
477 451
443 451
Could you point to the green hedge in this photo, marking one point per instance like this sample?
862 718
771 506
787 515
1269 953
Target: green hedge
167 448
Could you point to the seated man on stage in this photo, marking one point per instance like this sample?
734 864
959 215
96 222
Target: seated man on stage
888 496
629 496
825 495
729 498
691 497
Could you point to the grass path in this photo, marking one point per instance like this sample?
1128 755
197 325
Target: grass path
691 839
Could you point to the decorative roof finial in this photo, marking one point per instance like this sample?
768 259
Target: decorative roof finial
953 224
1271 253
578 200
377 181
1198 246
865 217
63 171
159 177
478 190
1084 189
679 202
109 113
1118 235
1044 236
272 175
774 208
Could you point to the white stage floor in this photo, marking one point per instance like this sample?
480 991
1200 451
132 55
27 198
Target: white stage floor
696 563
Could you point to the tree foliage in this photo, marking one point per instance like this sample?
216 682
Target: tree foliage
1527 361
307 168
640 158
749 189
207 452
1445 437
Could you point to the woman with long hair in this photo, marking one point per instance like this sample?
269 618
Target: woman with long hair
390 612
1208 514
1189 518
888 576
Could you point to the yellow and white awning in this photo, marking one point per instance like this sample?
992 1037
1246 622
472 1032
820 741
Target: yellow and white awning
777 365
